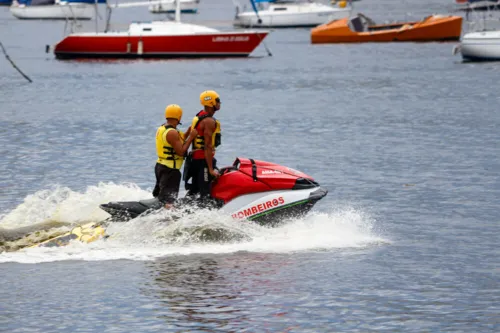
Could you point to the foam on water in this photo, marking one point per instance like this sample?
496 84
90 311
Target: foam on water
157 235
64 205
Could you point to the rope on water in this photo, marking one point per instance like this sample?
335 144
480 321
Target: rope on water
13 64
265 46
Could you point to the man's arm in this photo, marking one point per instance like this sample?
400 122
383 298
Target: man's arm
175 141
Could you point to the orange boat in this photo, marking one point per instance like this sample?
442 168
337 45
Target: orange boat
361 29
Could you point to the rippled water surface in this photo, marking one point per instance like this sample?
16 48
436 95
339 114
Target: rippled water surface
404 136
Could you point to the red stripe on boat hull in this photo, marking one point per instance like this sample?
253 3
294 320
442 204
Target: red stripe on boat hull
123 46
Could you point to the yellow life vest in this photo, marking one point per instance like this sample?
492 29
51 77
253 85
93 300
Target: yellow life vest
165 151
199 141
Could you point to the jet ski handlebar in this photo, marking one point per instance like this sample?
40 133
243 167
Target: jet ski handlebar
236 166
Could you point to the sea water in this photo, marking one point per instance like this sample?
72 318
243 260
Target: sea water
404 137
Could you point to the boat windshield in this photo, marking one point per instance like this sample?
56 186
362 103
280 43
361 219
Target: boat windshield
356 24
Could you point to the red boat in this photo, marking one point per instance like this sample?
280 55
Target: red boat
160 39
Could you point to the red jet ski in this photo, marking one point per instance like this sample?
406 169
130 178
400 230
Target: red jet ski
260 191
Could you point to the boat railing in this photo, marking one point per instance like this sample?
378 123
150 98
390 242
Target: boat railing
482 19
483 25
479 5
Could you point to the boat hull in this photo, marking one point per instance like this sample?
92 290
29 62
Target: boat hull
187 7
307 17
122 45
432 28
262 207
71 11
481 46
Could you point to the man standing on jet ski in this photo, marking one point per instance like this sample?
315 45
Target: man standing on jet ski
170 148
202 166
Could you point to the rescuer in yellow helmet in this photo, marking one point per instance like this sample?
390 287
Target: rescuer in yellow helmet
170 148
202 168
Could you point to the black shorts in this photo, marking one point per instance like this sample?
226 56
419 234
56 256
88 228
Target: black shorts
167 185
201 178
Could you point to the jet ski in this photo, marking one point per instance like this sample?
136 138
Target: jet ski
255 190
260 191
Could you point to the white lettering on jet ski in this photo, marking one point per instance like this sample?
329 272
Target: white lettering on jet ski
268 172
259 208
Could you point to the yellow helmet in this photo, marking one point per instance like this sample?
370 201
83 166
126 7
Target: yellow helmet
173 111
209 98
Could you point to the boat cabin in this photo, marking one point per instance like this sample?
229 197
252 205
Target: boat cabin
361 23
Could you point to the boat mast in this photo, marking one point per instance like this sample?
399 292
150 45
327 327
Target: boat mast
108 17
177 10
96 15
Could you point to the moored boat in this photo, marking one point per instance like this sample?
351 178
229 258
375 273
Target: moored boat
54 9
286 13
360 28
482 40
480 46
160 39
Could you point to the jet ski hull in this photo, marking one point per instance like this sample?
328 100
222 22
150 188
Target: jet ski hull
264 208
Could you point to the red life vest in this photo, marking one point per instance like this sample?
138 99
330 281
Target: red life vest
198 145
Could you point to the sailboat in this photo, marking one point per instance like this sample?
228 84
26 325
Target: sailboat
159 39
480 43
289 13
54 9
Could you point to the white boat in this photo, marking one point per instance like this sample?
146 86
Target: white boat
158 39
480 46
482 41
286 13
168 6
53 10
